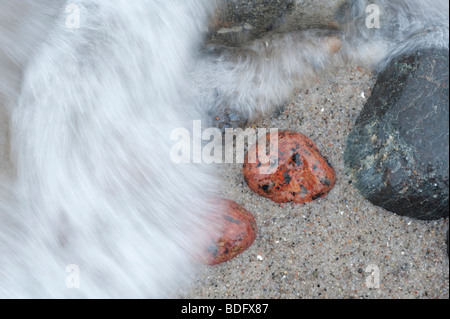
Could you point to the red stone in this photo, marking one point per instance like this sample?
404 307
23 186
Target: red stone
238 233
302 175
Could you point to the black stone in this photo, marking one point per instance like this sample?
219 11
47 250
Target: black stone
398 153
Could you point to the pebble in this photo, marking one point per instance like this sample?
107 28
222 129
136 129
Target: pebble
302 174
237 235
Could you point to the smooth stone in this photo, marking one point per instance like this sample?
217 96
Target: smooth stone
238 232
298 174
398 153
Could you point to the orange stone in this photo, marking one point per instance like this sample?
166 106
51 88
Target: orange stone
302 174
238 233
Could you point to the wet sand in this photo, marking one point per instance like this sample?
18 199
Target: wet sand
323 249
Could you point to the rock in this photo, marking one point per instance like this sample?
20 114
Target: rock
302 174
238 20
398 153
237 235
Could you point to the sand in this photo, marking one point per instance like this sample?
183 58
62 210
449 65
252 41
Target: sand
323 249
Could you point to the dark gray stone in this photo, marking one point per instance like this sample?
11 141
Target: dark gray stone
398 153
237 21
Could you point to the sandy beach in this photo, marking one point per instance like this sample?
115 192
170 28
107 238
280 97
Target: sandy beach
323 249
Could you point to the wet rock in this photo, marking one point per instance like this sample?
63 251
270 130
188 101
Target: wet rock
398 153
239 20
226 118
238 233
297 172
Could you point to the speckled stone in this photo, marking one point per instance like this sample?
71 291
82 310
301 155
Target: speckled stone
238 233
302 175
398 153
